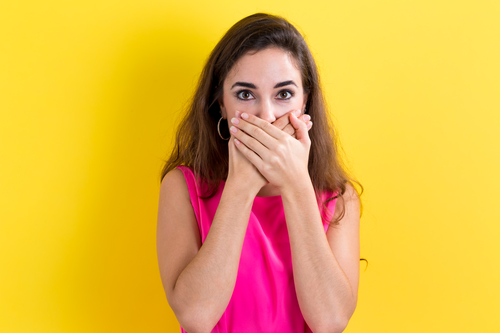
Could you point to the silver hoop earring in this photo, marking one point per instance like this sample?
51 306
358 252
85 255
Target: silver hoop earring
218 130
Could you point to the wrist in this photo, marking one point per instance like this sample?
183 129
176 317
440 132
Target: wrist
297 188
239 191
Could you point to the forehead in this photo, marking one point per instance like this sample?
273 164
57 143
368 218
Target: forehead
265 67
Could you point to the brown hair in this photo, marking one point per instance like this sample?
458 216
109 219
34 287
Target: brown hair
198 145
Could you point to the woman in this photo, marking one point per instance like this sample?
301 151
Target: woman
250 236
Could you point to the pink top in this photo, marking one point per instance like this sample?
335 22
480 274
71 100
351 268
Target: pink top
264 298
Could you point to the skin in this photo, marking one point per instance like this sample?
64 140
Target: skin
263 159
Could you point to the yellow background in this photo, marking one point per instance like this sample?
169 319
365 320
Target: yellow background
91 91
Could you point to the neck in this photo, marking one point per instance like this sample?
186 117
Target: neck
268 190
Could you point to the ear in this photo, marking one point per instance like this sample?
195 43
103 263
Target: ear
305 102
222 108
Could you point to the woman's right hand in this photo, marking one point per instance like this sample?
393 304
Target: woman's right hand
241 170
283 123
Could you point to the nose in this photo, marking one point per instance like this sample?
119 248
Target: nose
266 112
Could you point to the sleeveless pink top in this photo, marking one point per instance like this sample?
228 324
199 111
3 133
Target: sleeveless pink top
264 298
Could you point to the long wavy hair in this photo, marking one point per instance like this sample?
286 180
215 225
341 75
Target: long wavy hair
198 145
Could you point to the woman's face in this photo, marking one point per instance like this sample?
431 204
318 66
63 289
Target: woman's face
266 84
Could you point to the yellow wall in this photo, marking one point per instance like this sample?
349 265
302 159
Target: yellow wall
90 92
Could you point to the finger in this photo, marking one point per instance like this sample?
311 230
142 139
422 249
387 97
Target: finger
309 125
305 118
300 129
231 147
283 121
258 130
289 129
249 154
248 140
262 127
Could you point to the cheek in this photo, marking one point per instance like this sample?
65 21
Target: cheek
284 108
230 113
228 105
232 105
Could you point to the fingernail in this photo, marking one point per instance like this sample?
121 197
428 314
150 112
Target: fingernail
238 113
233 129
244 115
306 117
297 112
235 121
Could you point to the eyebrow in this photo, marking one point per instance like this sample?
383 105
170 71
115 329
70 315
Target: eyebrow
253 86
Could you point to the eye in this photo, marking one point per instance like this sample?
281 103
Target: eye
244 94
285 94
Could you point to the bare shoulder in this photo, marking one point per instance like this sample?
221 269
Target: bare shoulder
177 236
351 192
174 207
174 183
348 202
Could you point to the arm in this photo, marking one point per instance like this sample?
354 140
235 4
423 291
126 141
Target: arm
199 280
325 269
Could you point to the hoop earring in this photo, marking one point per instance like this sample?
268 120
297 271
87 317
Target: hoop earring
218 130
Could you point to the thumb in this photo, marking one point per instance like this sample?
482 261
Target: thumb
300 128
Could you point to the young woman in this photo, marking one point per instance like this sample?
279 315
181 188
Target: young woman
258 222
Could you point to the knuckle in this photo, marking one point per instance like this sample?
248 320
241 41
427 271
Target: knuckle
253 131
265 125
279 150
288 140
273 161
252 142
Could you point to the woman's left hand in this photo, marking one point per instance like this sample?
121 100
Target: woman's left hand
279 157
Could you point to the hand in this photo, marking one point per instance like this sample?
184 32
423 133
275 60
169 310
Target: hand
240 168
279 157
283 122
